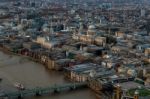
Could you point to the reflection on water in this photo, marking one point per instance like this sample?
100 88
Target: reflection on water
19 69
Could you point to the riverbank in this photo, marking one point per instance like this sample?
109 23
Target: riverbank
33 74
12 53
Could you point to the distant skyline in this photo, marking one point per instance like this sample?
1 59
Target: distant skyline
114 1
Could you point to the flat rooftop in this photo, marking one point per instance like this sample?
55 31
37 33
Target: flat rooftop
129 85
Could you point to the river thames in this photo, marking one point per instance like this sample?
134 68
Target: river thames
19 69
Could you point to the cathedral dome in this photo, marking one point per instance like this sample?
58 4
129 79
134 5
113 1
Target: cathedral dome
91 30
91 27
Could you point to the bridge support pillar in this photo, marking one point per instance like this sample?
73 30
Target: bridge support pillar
72 88
57 90
38 94
20 97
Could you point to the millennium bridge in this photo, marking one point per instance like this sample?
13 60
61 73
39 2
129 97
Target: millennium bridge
38 91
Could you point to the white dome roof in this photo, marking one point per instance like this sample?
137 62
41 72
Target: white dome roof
1 27
91 27
46 29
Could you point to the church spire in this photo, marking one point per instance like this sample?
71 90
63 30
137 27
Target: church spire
80 28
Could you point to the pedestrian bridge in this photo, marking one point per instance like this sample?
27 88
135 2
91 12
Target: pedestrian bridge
41 91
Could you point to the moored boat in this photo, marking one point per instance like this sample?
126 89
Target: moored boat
19 86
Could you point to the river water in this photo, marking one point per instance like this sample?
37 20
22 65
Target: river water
19 69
